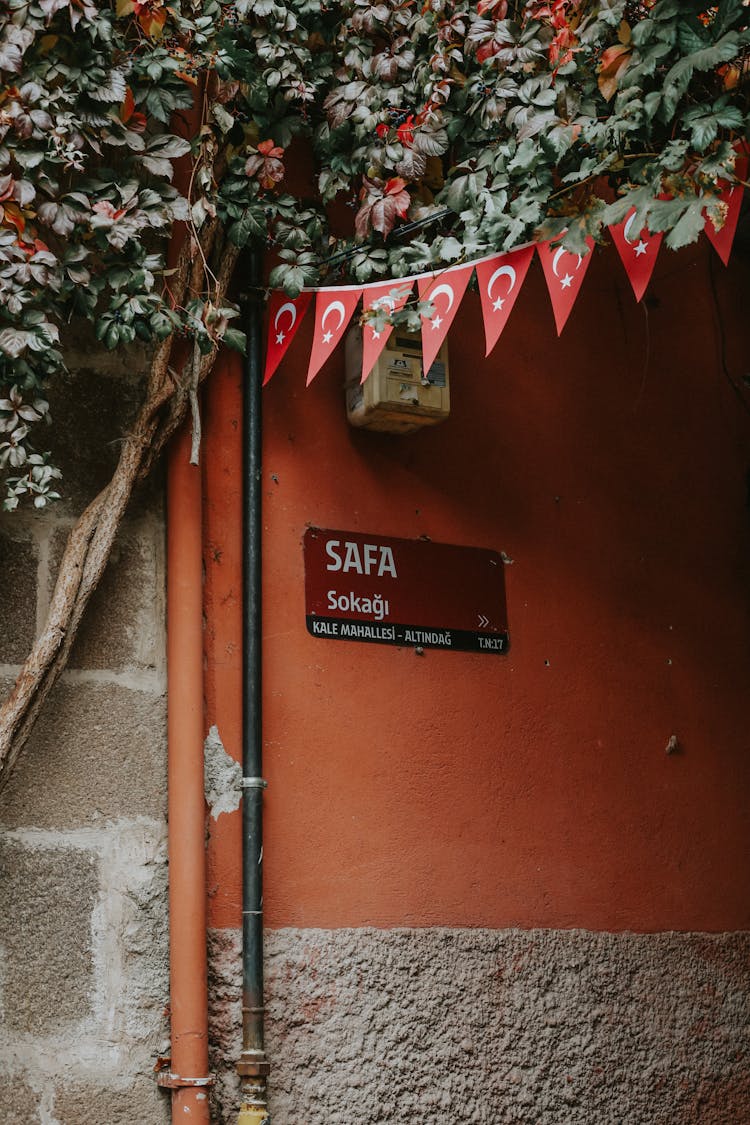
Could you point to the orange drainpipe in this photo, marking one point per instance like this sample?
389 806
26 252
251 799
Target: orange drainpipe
188 1076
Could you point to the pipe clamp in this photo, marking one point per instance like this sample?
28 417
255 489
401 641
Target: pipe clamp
176 1081
254 783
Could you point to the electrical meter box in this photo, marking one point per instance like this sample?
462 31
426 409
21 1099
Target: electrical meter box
398 396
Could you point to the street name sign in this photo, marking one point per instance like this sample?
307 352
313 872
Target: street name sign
405 592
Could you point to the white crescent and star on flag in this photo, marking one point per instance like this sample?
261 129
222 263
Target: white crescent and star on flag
640 247
290 308
335 306
441 290
500 279
501 271
567 279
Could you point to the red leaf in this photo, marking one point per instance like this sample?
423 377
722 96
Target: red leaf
382 205
127 109
7 184
266 163
394 186
10 216
488 51
485 6
405 132
129 116
268 148
615 61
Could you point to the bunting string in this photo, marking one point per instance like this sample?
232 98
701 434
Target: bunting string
499 277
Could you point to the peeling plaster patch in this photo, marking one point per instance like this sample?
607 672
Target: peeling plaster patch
222 776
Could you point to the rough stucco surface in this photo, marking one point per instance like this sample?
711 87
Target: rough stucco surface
540 1027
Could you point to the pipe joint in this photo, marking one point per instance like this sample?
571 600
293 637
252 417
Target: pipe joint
253 1064
254 783
253 1115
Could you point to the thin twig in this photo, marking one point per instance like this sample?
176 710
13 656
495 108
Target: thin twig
195 411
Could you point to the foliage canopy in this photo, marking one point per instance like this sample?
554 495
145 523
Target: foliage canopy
439 130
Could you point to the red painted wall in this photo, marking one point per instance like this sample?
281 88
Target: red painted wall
533 789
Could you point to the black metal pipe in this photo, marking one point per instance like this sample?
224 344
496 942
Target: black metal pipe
253 1065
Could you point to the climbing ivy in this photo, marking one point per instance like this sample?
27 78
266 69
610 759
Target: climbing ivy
354 139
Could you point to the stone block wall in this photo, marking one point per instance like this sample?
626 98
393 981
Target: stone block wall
84 982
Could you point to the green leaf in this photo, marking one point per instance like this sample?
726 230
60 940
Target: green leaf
161 325
13 341
252 225
451 249
293 279
730 117
703 130
158 167
462 191
688 39
160 103
688 227
730 12
527 155
707 58
224 120
235 339
169 147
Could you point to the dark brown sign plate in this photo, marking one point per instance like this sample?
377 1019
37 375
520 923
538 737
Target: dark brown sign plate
406 592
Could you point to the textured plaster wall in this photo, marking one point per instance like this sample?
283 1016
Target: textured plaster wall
83 874
488 1027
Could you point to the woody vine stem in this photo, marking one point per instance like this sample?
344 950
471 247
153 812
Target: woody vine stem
89 544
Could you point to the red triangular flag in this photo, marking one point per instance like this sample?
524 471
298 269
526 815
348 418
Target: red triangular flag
500 280
731 198
392 295
285 314
638 253
333 311
564 273
445 290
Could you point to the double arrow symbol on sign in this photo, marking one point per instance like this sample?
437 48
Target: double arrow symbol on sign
483 621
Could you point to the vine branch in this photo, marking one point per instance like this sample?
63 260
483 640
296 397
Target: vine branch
91 540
